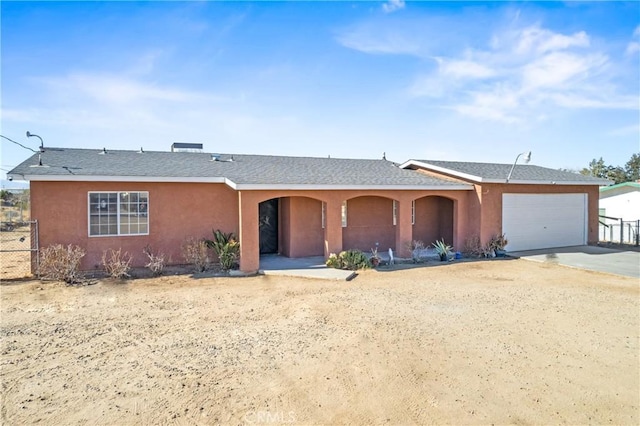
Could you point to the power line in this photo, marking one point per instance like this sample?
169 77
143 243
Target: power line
18 143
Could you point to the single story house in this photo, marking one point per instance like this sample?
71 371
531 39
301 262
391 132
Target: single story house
621 201
297 206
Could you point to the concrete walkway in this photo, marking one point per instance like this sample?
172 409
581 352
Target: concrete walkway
592 258
307 267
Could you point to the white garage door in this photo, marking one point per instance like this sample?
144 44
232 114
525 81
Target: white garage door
535 221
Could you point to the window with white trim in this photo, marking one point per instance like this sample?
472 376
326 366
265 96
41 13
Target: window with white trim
344 214
118 213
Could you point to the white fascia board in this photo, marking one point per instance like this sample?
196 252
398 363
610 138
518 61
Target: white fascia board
298 187
541 182
79 178
431 167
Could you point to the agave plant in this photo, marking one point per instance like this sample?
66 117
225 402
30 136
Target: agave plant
442 249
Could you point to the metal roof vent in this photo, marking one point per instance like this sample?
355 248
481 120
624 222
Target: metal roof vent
215 157
186 147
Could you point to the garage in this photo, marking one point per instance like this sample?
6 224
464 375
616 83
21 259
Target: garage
536 221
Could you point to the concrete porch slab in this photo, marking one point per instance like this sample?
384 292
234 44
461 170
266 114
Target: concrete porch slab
306 267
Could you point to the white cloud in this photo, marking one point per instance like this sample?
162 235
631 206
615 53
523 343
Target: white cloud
393 5
557 70
521 73
465 69
632 48
116 89
540 40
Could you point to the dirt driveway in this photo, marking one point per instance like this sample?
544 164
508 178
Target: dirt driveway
505 341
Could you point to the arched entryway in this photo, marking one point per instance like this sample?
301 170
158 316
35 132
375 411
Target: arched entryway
433 219
368 220
291 226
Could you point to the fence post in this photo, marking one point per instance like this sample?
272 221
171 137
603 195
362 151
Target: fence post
637 232
621 232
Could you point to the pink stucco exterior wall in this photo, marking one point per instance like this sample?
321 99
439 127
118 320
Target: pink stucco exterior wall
369 221
434 220
301 227
181 210
333 233
176 211
490 198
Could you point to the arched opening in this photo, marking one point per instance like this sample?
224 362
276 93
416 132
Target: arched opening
302 232
433 219
291 226
368 220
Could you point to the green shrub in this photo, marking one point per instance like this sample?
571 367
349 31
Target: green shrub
226 247
349 259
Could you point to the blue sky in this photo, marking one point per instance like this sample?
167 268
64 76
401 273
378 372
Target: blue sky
426 80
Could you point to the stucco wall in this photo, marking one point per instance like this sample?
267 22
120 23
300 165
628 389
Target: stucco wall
433 220
491 205
176 211
333 232
369 221
302 233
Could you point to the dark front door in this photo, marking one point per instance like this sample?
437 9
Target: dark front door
268 217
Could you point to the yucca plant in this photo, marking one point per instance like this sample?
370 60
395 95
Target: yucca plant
442 249
227 247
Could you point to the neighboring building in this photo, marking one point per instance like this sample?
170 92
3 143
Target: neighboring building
621 201
620 211
298 206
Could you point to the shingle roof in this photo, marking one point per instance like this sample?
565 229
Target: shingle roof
237 170
630 186
497 173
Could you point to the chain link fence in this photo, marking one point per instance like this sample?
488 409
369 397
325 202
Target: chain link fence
18 249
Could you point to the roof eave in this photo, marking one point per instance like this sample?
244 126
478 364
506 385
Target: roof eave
444 170
329 187
545 182
90 178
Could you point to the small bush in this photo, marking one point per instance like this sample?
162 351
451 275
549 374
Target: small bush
334 261
350 259
61 263
416 249
473 248
226 247
156 261
116 264
196 253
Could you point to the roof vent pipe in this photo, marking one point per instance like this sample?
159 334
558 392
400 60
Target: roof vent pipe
104 151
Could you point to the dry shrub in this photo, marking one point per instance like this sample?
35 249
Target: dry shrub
116 264
473 248
157 261
61 263
196 253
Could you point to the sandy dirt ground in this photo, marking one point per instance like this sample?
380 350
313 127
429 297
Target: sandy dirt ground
502 341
